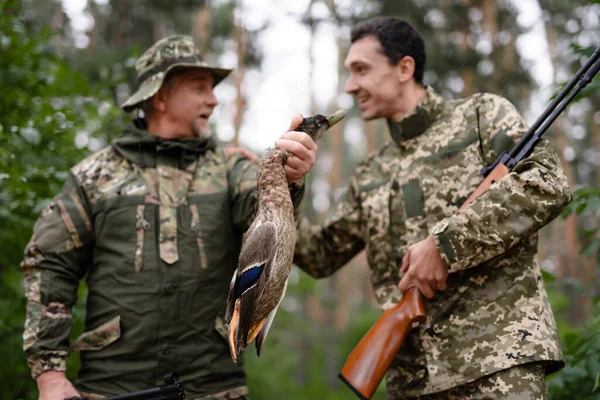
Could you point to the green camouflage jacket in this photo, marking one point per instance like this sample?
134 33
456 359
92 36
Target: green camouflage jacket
155 226
494 313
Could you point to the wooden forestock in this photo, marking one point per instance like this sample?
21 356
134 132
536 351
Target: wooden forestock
366 366
494 176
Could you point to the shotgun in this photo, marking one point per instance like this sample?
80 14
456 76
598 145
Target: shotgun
366 366
171 390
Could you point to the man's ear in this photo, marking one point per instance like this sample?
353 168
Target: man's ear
405 69
159 100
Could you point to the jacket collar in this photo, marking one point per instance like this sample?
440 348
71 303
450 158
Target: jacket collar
420 119
143 148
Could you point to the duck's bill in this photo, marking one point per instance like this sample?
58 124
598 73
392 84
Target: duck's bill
336 117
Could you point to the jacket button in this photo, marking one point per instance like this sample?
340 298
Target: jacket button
167 349
170 288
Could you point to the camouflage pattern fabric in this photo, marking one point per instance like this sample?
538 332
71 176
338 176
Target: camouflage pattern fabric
171 52
100 337
523 382
173 186
155 226
494 313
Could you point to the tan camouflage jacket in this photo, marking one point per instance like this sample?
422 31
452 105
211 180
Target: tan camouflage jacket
494 313
155 226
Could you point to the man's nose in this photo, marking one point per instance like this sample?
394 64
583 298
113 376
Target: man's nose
351 86
211 100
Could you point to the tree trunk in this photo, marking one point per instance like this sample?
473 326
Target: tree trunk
466 73
340 283
569 258
312 304
370 136
119 29
240 36
590 262
159 30
94 32
58 24
490 26
201 25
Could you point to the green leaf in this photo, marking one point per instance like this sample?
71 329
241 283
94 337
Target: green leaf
580 208
547 276
591 248
572 341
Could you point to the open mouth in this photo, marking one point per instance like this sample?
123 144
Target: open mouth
204 116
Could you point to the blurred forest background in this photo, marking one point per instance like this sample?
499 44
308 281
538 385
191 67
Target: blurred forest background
66 65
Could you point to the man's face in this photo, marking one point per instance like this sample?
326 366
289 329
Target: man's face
190 101
373 81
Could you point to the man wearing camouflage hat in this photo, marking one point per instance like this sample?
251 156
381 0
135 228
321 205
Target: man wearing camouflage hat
155 222
489 332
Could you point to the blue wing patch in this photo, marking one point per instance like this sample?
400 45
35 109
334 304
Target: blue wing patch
247 279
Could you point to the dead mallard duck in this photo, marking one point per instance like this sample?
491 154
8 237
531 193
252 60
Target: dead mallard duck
259 283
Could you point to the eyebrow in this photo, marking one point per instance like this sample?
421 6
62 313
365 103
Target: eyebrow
356 63
201 78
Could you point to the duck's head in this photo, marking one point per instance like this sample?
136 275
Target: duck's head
316 125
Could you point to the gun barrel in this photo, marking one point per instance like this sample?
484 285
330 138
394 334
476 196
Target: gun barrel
568 87
584 76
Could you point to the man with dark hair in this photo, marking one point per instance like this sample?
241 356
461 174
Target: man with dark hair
490 332
154 221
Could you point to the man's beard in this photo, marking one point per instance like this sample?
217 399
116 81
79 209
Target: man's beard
200 132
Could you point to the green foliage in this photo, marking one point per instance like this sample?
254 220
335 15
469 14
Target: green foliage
586 201
586 53
44 106
581 344
582 356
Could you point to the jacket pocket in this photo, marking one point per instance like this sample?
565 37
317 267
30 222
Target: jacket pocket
213 232
412 196
100 337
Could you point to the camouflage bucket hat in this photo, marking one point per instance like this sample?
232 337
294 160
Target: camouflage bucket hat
166 54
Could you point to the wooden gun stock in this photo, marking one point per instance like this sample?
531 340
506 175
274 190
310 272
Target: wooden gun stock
366 366
371 358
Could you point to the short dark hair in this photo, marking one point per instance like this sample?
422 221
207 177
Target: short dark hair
397 39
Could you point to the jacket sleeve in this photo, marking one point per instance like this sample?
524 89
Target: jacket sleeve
242 177
56 258
515 207
320 251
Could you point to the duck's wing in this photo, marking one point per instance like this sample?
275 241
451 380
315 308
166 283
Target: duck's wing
262 335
